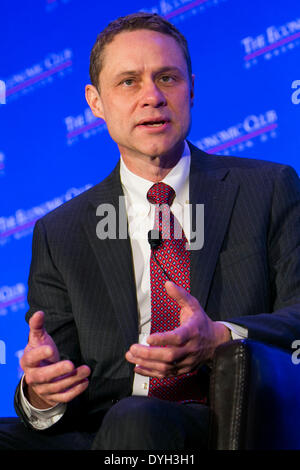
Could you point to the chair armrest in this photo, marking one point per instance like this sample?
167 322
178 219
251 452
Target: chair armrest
254 397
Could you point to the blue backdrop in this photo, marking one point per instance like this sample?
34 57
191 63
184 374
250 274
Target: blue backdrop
246 56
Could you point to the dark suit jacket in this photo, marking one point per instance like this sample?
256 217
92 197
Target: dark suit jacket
248 271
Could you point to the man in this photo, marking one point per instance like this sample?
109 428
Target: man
99 371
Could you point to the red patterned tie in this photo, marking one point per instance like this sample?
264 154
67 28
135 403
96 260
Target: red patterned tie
174 259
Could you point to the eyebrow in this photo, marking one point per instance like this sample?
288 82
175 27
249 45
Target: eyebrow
120 75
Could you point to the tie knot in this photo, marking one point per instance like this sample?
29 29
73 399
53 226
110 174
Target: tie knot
161 193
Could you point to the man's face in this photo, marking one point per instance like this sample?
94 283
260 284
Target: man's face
145 93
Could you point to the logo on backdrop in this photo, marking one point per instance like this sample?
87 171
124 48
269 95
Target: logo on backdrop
12 298
2 163
2 352
83 126
275 40
180 10
54 65
2 92
242 135
21 223
18 354
296 94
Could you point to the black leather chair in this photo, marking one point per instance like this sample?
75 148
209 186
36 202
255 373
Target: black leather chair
254 398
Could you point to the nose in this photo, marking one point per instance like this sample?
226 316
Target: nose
151 95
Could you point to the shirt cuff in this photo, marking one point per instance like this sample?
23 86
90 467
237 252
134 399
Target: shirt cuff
140 382
41 419
237 331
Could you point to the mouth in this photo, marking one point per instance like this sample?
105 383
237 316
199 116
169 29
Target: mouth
153 123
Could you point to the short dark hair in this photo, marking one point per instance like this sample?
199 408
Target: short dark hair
134 22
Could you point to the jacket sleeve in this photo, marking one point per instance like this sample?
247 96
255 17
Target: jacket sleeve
47 292
282 326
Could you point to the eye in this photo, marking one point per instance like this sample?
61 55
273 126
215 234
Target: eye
127 82
167 79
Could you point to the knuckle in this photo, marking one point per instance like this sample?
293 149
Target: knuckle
39 390
189 361
66 397
170 356
72 392
29 379
67 365
54 387
164 368
194 303
41 376
146 353
178 338
25 357
61 398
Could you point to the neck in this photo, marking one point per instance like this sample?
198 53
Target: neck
153 168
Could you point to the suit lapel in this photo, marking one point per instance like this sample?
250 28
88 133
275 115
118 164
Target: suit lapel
114 256
209 186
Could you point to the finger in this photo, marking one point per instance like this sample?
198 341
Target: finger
185 358
168 355
69 394
171 372
148 372
46 374
166 368
178 337
157 369
80 372
33 357
63 383
37 330
180 295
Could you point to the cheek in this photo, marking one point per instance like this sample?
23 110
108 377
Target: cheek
182 104
183 114
118 127
119 114
113 115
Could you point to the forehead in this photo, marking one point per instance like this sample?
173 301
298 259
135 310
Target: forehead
144 48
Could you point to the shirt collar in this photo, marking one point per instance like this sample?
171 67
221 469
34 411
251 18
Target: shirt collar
136 188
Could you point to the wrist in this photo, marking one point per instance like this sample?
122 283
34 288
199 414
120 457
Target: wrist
34 399
222 333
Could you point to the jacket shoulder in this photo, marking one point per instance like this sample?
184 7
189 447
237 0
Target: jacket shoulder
76 207
212 161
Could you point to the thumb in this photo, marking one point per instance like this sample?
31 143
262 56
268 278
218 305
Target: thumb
180 295
184 299
37 331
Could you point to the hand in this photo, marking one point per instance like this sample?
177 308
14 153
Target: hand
185 348
49 380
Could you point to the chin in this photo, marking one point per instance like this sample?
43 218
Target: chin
158 149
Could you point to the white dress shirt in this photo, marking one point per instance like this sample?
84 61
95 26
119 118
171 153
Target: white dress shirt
140 215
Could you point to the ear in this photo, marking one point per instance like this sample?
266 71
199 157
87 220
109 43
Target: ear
94 101
192 93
